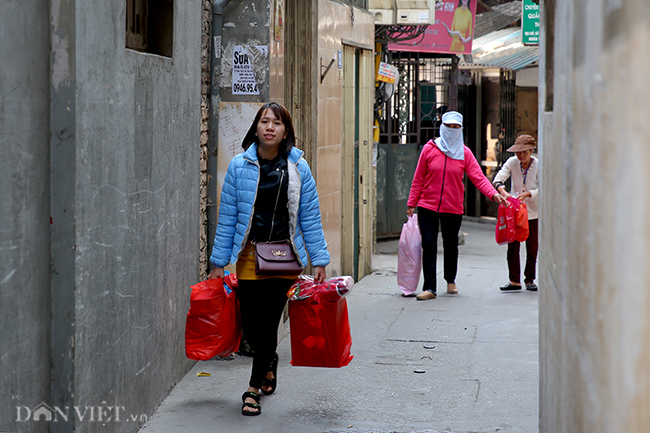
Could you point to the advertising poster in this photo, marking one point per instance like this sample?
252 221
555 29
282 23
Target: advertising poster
278 20
387 73
243 76
453 31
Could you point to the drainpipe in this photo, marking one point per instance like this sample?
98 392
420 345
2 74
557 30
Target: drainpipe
213 132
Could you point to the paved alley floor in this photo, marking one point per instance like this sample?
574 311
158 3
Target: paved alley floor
459 363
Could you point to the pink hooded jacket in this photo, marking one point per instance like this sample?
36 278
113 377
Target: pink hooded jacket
438 180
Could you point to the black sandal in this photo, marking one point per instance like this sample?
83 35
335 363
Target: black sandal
271 382
510 286
256 405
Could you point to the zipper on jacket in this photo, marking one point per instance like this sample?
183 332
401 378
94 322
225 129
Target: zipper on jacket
277 199
442 187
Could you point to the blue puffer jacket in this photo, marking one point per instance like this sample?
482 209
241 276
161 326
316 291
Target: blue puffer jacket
238 196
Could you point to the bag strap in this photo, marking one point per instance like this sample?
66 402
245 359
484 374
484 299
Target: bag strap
275 208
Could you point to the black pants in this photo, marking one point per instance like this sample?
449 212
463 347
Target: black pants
261 303
449 224
514 268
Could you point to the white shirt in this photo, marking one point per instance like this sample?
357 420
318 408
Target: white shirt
512 168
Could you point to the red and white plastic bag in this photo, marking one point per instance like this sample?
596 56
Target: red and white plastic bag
318 322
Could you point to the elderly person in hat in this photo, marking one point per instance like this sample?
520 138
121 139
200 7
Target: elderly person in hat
438 193
523 171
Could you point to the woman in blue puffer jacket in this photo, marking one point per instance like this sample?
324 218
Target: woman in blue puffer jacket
269 194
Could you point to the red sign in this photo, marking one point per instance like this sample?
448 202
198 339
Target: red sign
453 31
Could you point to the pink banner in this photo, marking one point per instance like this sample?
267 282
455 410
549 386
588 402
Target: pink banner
453 31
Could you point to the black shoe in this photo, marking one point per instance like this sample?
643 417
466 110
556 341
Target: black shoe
510 286
531 286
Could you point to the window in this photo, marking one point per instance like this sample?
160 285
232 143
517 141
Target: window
150 25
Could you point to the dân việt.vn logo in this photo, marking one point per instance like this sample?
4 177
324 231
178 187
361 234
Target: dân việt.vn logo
103 413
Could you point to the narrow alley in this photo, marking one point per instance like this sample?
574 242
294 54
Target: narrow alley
459 363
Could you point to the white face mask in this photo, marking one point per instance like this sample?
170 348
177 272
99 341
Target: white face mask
451 142
452 136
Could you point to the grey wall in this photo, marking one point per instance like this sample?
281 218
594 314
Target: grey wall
104 141
24 210
246 23
594 231
137 203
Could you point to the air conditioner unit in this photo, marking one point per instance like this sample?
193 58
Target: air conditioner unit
383 16
381 4
403 12
415 12
383 10
413 17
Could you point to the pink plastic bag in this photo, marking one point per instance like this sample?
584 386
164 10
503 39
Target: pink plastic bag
409 258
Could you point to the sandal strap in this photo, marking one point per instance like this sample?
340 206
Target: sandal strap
250 394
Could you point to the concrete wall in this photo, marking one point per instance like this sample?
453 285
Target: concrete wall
247 24
137 203
99 226
595 237
24 210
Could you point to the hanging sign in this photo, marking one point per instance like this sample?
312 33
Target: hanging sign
243 77
387 73
530 23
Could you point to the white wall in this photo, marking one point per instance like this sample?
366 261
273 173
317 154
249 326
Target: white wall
528 77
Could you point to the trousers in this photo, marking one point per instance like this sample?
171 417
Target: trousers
261 303
449 224
514 268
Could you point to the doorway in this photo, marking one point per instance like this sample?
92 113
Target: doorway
356 163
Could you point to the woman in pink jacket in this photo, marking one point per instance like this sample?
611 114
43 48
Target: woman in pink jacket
438 193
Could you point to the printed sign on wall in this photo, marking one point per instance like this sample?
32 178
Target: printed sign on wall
243 77
278 20
453 31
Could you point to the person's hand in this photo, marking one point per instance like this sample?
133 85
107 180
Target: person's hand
409 211
216 273
499 199
524 195
319 274
503 192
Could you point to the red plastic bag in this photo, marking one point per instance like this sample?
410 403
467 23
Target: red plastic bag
505 229
213 326
319 324
521 222
409 258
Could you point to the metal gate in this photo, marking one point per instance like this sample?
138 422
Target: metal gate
408 116
507 114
